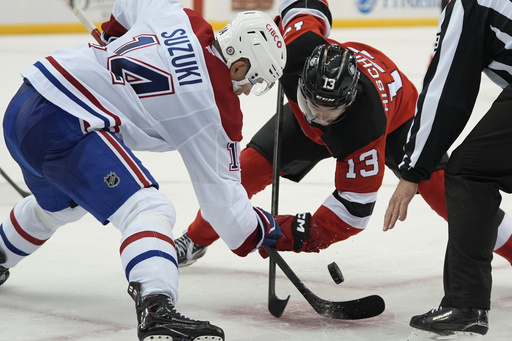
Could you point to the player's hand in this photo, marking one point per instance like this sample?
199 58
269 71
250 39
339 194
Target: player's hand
270 226
399 202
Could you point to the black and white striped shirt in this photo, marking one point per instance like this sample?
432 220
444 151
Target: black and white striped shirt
475 36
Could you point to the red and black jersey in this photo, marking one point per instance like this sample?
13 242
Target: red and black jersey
386 98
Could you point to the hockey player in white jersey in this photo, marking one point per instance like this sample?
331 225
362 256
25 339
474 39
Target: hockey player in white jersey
163 82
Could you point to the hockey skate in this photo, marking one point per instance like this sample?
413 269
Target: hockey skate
188 252
4 272
159 320
448 323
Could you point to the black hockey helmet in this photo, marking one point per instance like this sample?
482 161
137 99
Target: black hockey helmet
330 76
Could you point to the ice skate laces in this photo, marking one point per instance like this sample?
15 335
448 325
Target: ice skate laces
182 246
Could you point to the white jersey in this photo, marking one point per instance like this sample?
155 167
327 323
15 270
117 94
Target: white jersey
160 86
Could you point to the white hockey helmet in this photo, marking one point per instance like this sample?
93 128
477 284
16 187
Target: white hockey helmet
255 36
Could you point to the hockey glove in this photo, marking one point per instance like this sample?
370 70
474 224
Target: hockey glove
270 228
295 231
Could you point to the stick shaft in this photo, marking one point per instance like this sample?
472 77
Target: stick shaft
16 187
89 25
276 164
276 305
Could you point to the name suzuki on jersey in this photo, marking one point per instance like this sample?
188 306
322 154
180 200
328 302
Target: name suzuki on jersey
183 57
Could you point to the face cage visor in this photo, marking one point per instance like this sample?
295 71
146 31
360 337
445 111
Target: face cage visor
259 85
319 115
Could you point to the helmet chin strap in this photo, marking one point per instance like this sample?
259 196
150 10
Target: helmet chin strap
237 85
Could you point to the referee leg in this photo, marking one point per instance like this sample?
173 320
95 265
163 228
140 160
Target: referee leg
478 169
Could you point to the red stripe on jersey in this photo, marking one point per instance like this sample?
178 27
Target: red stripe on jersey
145 234
226 100
126 157
84 91
86 126
22 232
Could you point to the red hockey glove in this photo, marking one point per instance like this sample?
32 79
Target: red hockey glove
295 230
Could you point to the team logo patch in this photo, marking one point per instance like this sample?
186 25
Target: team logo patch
112 180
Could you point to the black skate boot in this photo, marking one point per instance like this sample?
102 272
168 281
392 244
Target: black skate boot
159 320
4 272
188 252
445 323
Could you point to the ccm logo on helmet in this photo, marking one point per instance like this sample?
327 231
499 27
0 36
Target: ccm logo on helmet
274 34
325 99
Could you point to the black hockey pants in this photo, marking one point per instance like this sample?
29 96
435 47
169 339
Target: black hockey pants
477 171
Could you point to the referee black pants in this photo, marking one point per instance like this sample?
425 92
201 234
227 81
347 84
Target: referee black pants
477 171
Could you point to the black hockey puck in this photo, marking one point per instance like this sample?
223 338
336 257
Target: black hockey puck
335 272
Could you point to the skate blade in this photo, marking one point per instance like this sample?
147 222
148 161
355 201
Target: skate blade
423 335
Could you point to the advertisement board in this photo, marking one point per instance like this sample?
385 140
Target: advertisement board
44 16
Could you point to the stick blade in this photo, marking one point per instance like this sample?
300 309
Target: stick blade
361 308
276 305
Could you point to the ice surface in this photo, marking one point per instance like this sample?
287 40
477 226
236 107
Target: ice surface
73 288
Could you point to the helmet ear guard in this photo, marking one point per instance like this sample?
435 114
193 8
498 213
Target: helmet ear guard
330 76
255 36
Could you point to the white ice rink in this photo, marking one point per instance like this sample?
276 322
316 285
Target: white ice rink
74 289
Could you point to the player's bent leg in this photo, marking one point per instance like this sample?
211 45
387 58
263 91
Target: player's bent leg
147 249
503 245
201 232
433 193
256 171
28 227
149 258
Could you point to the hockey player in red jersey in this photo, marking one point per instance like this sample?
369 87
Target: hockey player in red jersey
163 82
348 101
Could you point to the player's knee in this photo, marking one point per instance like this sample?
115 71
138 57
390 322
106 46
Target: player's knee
53 220
147 203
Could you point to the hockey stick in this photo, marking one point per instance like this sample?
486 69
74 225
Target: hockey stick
361 308
16 187
89 25
276 305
